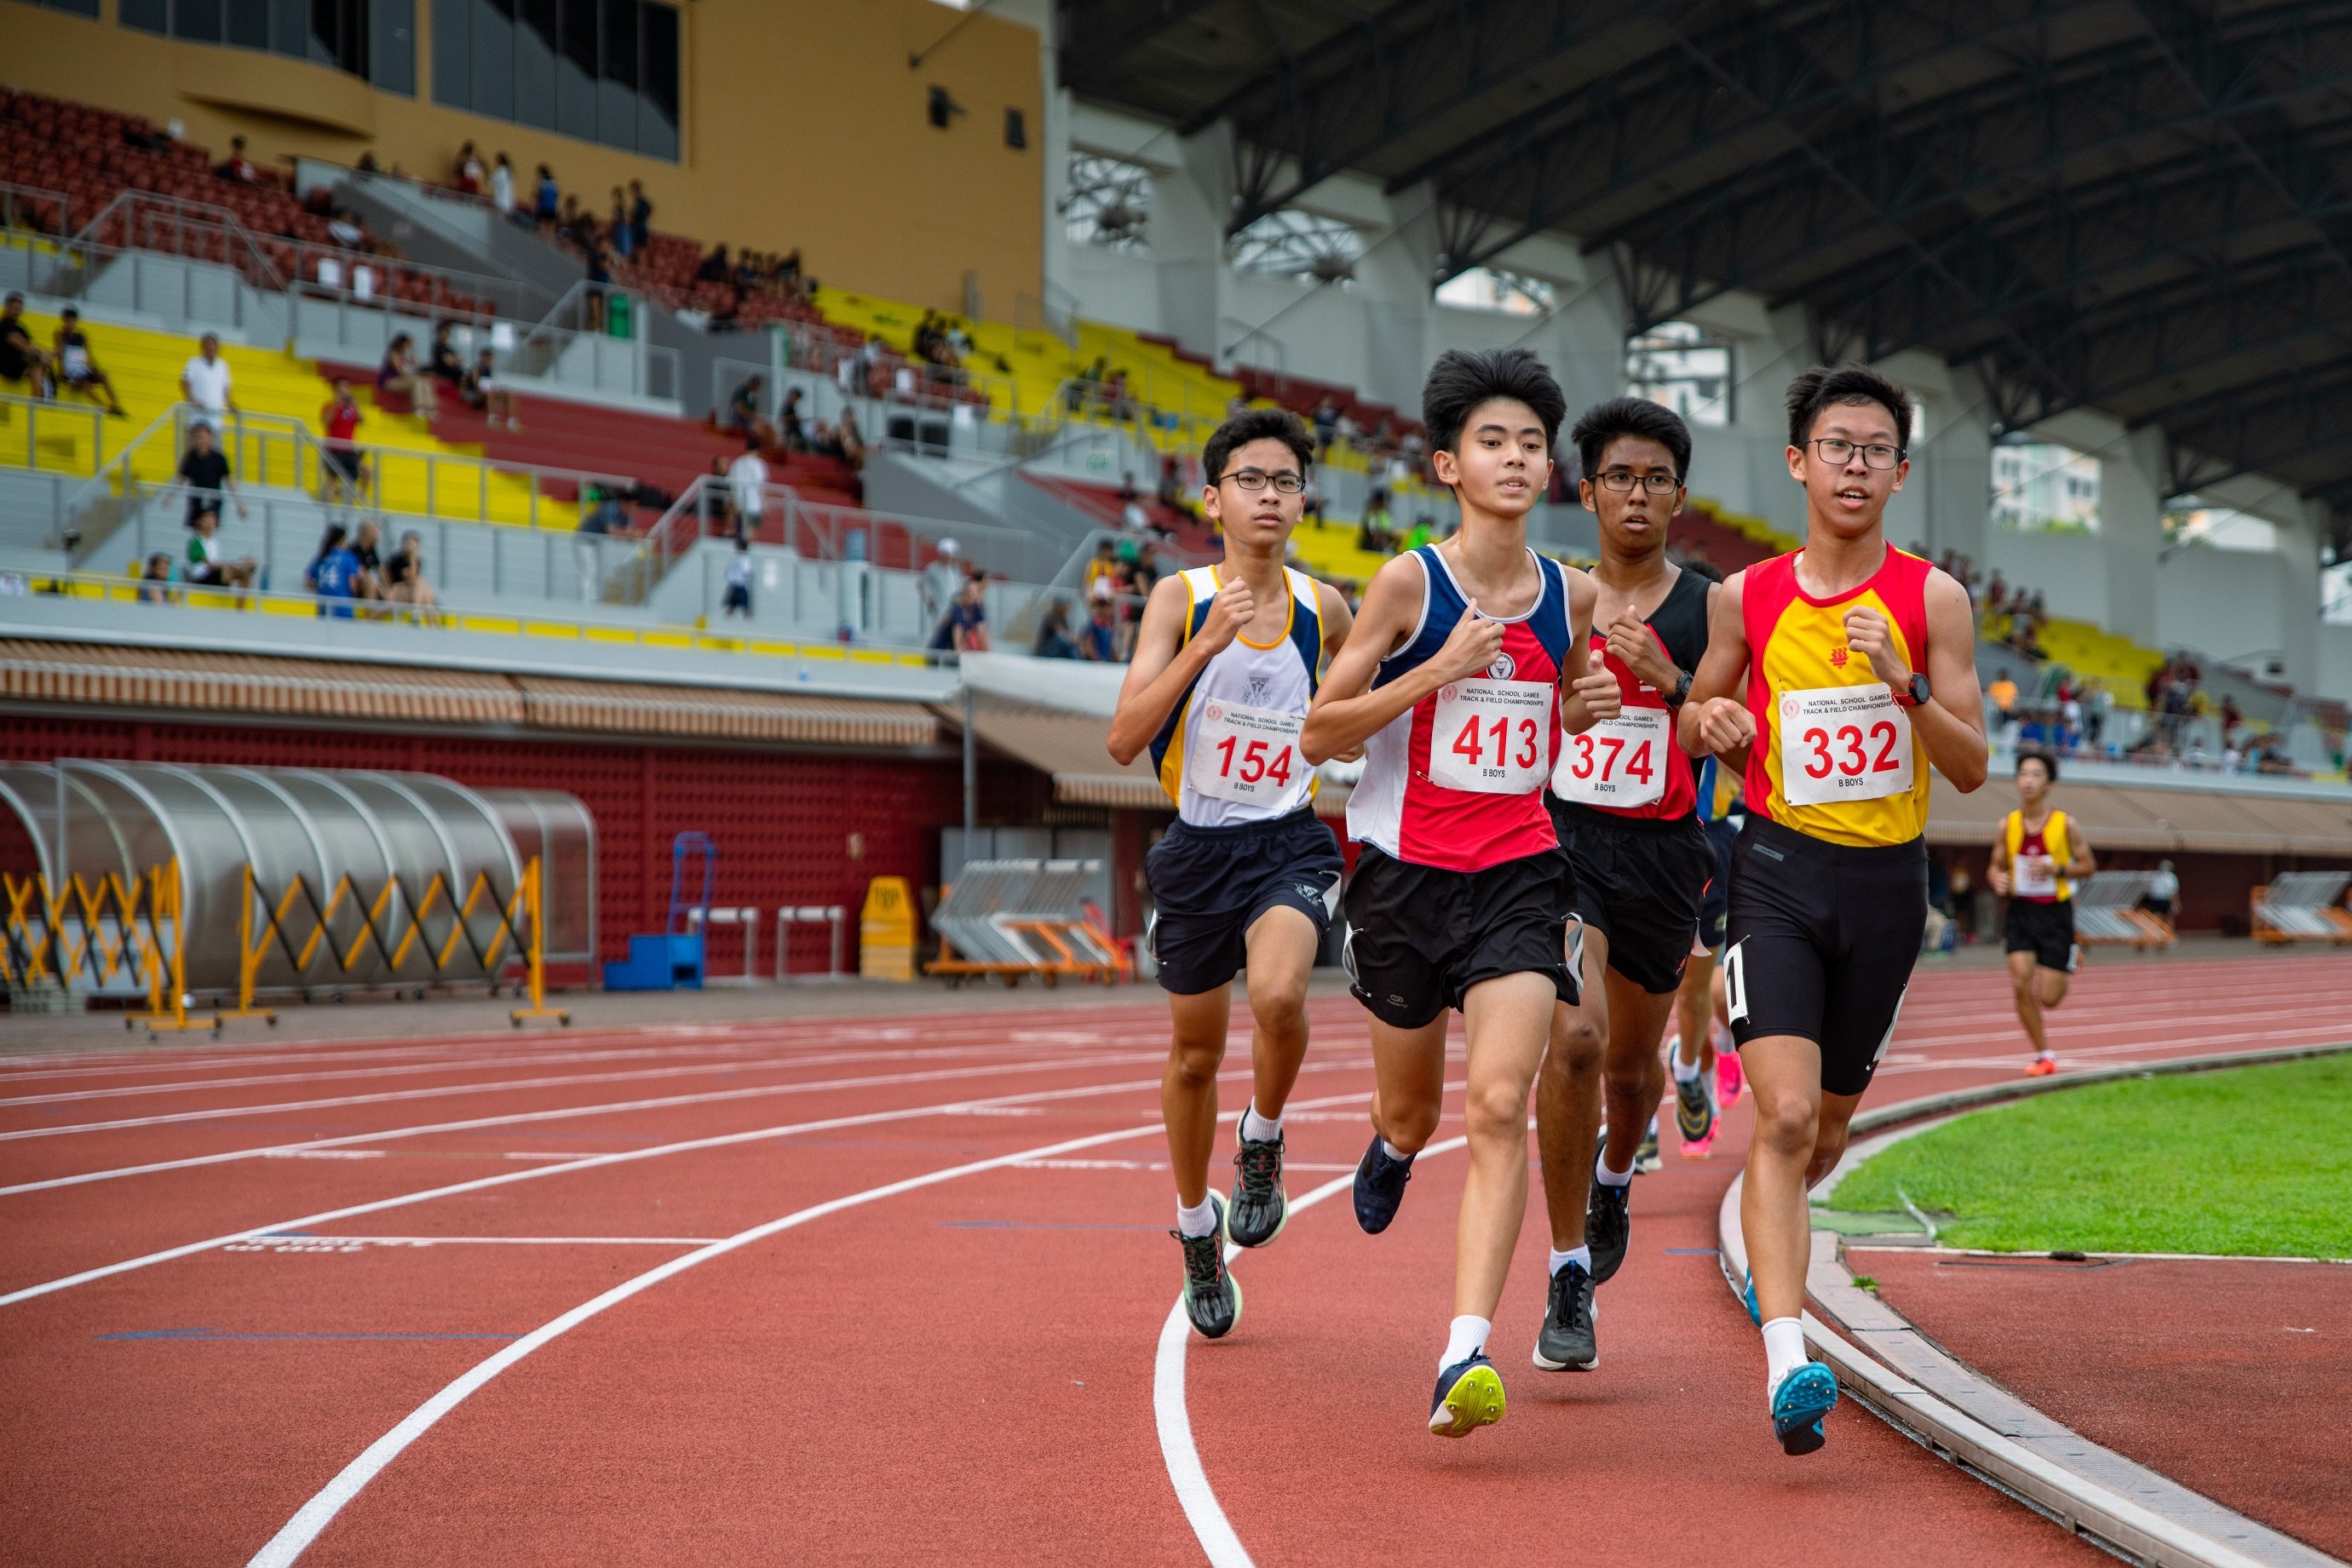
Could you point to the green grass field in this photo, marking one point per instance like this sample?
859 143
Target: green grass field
2252 1162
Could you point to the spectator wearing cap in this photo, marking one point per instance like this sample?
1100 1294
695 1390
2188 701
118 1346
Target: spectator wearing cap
942 579
204 380
75 366
205 470
21 359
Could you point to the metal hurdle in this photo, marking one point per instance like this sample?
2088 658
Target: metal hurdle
748 919
790 915
2303 906
1008 918
2107 912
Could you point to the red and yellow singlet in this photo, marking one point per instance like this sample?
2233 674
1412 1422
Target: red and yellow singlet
1834 757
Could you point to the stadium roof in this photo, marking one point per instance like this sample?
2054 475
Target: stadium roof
2141 206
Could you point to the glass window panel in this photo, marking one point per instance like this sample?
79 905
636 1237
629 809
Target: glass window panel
249 24
575 68
617 85
199 19
325 29
535 63
453 53
658 96
494 57
391 44
147 16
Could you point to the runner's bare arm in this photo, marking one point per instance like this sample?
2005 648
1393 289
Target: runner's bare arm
1588 691
1950 724
1715 719
1347 711
2080 863
1164 663
1997 873
1338 620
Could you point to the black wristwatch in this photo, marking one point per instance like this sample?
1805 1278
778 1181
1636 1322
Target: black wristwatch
1681 693
1914 694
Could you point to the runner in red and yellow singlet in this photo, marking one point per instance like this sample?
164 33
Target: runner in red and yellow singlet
2038 853
1857 666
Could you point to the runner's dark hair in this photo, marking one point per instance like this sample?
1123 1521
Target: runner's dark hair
1699 566
1256 424
2049 761
1829 386
1638 416
1460 380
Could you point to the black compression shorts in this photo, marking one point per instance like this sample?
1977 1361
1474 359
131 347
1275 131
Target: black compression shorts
1824 937
1419 936
1716 909
2044 930
1638 881
1208 885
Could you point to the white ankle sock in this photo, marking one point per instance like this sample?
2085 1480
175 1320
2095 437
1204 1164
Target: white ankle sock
1199 1221
1467 1336
1395 1153
1784 1350
1685 1071
1257 1129
1580 1255
1602 1174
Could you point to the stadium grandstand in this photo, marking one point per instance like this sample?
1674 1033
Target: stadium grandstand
578 497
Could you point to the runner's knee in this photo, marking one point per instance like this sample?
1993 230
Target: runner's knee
1787 1123
1496 1111
1278 1004
1577 1045
1195 1061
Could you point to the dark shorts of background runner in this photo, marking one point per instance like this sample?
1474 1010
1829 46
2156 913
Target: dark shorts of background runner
343 462
2044 930
1824 937
1715 910
1638 881
1208 885
1419 936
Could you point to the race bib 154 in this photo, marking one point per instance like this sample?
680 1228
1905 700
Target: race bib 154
1241 753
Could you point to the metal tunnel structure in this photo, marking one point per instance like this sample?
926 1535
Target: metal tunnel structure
95 818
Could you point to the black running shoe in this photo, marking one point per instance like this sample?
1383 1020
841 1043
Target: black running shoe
1379 1188
1608 1225
1261 1208
1213 1297
1645 1158
1693 1110
1565 1343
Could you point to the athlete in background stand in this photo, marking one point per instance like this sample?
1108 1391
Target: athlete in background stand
1225 665
2034 860
1452 684
1859 667
1624 803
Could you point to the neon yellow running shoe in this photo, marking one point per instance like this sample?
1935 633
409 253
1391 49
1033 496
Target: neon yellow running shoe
1469 1395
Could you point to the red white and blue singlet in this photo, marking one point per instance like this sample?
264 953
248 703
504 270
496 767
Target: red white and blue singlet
1456 782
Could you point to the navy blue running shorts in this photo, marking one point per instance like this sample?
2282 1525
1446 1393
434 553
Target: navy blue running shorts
1208 885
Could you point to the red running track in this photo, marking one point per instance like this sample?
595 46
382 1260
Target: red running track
885 1291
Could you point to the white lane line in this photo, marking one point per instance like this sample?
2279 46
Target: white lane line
690 1146
285 1241
1173 1416
567 1113
315 1515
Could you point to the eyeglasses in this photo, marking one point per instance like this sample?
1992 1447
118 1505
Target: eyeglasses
1285 483
1878 454
1617 479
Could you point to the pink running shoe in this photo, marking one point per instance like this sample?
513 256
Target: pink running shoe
1701 1149
1728 1079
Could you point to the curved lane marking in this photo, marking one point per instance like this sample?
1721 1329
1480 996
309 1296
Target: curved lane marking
1173 1416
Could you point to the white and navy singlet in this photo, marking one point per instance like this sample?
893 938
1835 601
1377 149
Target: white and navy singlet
1229 752
1456 782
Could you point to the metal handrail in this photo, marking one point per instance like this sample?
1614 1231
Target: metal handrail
11 191
35 407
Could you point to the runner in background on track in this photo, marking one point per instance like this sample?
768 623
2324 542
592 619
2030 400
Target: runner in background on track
1455 683
1706 1074
1838 673
2039 854
1625 806
1247 878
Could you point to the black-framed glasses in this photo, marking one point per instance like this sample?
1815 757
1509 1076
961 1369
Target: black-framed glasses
1285 483
1875 454
1621 482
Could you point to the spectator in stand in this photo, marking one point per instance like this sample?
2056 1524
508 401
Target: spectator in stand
1132 517
574 225
205 471
641 219
1423 532
21 360
738 597
1105 564
1099 637
714 267
366 548
236 167
747 488
2003 693
403 575
344 476
547 199
470 174
941 580
1377 532
445 364
790 428
1054 633
155 582
1327 427
2163 889
334 574
206 567
850 440
608 516
367 163
743 417
502 187
1171 493
204 380
399 376
2233 716
965 628
75 367
481 390
617 227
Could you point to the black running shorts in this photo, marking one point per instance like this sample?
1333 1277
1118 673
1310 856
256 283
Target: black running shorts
1208 885
1716 909
1419 937
1638 881
1824 937
2044 930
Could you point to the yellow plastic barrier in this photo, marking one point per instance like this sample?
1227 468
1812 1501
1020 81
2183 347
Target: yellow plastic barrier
66 938
885 930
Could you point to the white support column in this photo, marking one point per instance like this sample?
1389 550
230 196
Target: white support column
2300 594
2131 530
1189 206
1393 281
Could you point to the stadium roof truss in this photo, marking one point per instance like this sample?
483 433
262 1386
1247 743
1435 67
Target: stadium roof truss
2141 206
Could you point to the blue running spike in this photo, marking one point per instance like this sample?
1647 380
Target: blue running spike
1804 1397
